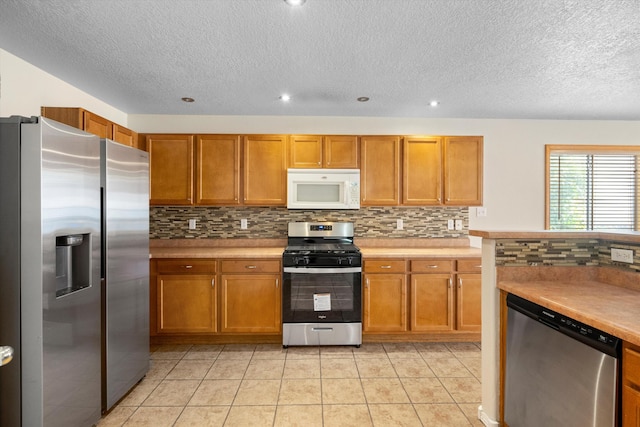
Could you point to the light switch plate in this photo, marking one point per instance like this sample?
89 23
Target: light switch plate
399 224
458 224
243 224
450 224
192 224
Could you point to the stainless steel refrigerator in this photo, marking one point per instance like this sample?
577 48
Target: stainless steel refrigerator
74 257
49 274
125 269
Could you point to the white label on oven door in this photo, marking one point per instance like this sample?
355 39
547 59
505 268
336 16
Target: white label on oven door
322 302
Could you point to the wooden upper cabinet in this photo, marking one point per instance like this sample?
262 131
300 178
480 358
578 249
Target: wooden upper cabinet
87 121
463 158
218 170
341 152
329 151
422 171
171 169
380 170
124 136
305 151
97 125
265 170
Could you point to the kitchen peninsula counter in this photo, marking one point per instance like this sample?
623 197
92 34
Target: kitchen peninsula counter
586 294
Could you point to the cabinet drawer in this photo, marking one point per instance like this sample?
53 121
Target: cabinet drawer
631 366
384 266
472 265
186 266
250 266
431 266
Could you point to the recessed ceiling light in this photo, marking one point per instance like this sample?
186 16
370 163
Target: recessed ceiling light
284 97
187 99
295 2
434 103
363 98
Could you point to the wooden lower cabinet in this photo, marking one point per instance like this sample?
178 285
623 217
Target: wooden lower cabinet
431 302
186 303
250 296
250 303
630 385
385 303
422 295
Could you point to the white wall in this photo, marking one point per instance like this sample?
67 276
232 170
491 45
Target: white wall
25 88
513 149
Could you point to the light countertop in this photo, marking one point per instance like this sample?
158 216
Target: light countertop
587 295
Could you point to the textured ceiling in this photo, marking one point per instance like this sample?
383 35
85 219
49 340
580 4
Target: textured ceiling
538 59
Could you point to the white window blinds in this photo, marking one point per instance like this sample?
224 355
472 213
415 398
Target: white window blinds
592 191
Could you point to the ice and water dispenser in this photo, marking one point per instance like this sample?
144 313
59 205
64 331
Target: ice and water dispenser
73 263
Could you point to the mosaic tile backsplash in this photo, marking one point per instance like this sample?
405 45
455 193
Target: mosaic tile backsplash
172 222
562 252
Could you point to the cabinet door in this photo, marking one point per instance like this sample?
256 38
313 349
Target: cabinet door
97 125
422 171
251 303
305 151
218 170
385 303
341 152
265 171
468 311
380 170
630 407
463 170
431 302
186 303
124 136
170 169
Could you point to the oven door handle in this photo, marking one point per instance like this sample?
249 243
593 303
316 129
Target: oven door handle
308 270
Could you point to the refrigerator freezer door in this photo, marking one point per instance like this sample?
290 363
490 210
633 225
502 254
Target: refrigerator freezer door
60 185
125 187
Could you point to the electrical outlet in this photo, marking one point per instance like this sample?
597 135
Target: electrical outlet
450 224
622 255
193 224
243 224
480 211
399 224
458 224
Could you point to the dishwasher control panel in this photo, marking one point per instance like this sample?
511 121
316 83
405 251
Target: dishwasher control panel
589 335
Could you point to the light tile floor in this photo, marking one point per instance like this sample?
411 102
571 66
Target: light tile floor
398 384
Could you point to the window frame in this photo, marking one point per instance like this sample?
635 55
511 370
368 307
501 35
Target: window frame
588 149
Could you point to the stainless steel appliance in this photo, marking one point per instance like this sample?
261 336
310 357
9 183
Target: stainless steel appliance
49 273
323 188
125 269
322 285
559 372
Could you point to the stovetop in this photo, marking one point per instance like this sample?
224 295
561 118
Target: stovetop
322 248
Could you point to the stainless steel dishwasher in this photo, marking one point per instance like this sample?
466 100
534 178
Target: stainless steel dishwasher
559 372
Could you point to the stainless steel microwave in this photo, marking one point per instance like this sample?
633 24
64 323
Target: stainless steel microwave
323 188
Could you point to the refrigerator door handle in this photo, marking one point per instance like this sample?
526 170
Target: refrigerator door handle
6 355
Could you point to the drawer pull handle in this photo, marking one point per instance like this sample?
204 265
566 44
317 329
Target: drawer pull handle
385 266
459 282
251 266
432 266
478 266
213 283
449 281
277 283
188 266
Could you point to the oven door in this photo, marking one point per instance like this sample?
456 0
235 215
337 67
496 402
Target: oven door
322 295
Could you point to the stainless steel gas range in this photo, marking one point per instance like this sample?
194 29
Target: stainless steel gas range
322 285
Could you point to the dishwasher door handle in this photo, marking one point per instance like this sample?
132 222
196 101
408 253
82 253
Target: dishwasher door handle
6 355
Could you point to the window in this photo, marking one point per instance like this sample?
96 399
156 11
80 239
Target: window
592 187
